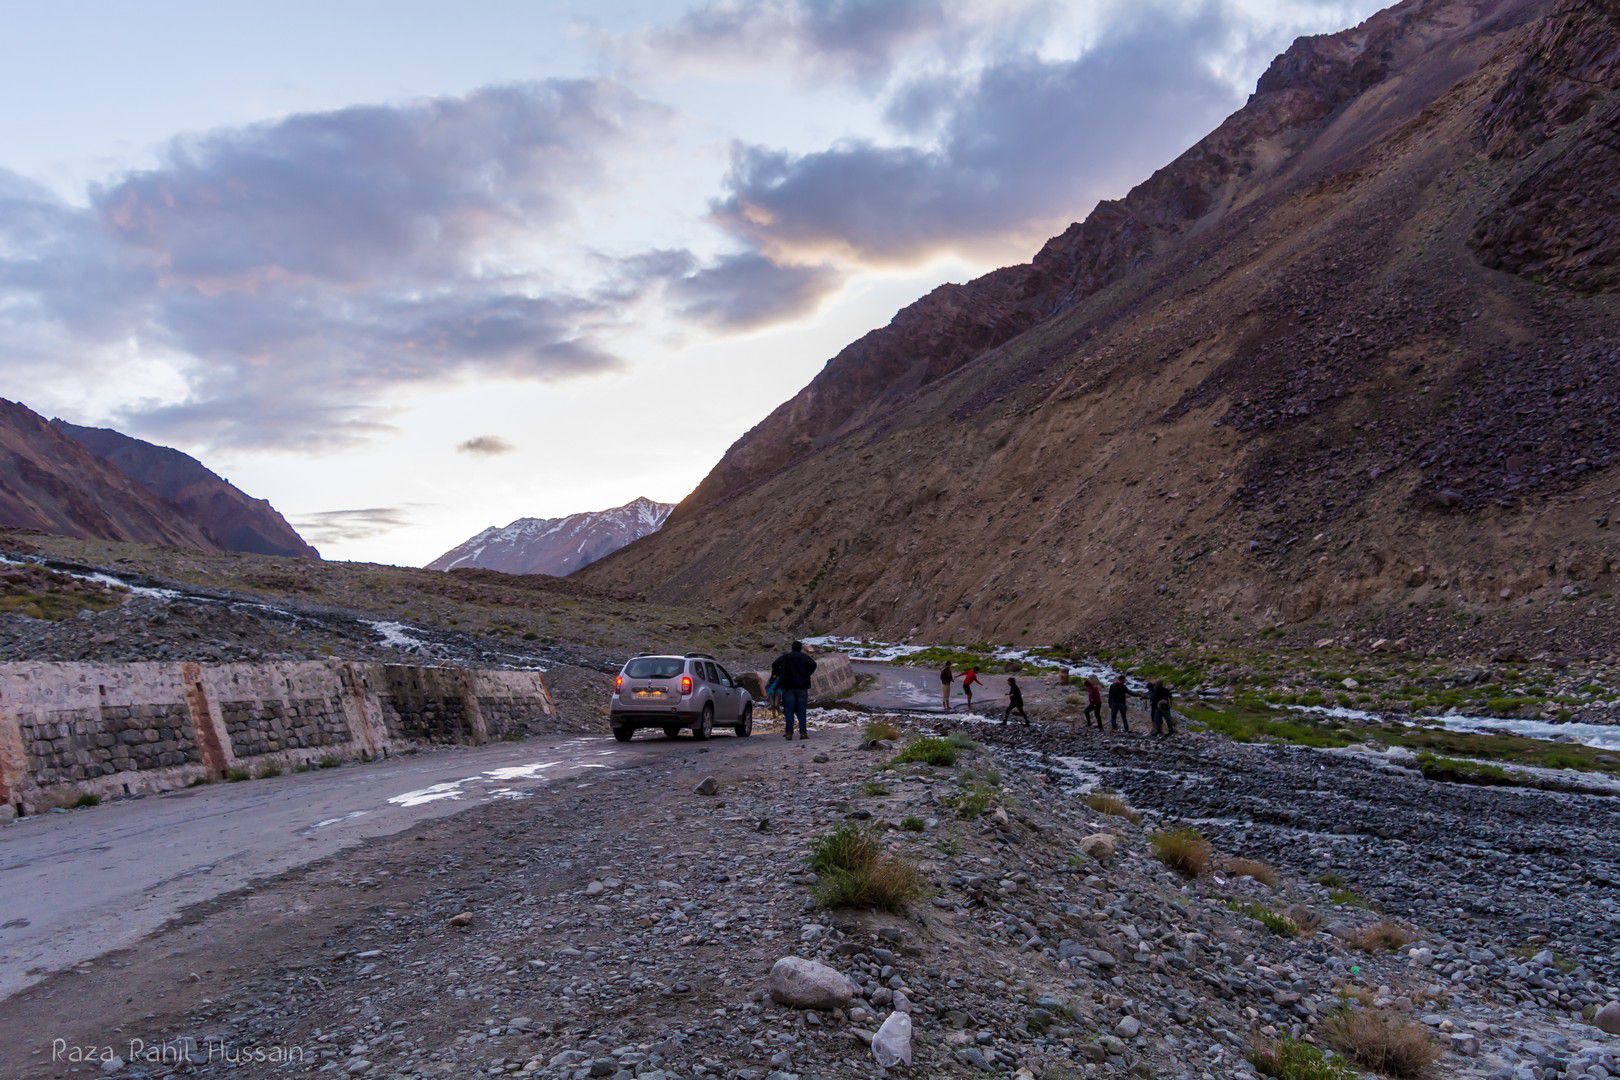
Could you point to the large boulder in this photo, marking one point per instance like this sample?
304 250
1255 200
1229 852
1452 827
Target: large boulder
805 984
1608 1018
1100 846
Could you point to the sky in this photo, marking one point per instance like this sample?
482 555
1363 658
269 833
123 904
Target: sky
411 269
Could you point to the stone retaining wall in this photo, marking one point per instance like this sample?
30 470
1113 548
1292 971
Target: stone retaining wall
70 730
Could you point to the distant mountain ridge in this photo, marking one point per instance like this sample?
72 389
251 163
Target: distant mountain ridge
233 519
99 484
556 546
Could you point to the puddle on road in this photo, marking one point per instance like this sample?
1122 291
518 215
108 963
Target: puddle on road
350 816
454 789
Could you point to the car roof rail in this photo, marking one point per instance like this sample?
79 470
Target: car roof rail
699 656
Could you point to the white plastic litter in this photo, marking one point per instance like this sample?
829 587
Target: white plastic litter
892 1043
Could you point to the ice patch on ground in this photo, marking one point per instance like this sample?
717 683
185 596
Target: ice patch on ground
1338 712
397 635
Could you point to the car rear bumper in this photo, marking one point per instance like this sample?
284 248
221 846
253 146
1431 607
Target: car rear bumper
651 717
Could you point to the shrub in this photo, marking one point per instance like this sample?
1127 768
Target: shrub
976 797
1251 868
1183 850
330 761
1105 802
1379 937
856 872
237 774
1275 921
1290 1059
881 731
269 769
874 789
1349 898
913 823
928 750
87 799
1383 1041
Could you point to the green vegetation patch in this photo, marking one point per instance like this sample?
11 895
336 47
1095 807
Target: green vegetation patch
1290 1059
854 871
928 750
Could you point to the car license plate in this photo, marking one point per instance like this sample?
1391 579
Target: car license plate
649 693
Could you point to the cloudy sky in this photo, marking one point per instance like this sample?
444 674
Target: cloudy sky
409 269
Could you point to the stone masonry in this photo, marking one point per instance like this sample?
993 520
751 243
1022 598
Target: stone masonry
71 730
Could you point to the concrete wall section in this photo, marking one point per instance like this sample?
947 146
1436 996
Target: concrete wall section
70 730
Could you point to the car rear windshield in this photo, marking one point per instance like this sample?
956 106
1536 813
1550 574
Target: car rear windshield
654 667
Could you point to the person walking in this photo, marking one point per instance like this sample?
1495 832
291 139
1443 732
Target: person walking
1165 713
791 672
970 677
1093 701
1118 698
773 699
946 677
1015 702
1155 690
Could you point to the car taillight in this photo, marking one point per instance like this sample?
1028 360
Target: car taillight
618 682
686 684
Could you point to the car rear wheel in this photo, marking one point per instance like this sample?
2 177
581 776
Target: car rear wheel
745 726
671 730
623 734
705 724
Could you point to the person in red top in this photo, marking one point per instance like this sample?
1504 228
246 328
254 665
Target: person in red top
1093 703
969 677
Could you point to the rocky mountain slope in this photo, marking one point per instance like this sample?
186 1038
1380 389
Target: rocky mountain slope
236 521
555 546
51 483
1343 363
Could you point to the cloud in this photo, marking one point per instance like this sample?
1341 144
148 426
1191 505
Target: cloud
485 446
736 292
1024 147
295 272
865 41
342 526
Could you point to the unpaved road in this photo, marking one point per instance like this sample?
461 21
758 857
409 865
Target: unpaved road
76 885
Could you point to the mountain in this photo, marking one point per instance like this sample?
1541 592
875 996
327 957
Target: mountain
556 546
51 483
1351 361
234 520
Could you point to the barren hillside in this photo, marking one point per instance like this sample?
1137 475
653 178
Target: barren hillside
1352 360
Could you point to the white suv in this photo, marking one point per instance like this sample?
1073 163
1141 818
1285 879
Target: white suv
675 692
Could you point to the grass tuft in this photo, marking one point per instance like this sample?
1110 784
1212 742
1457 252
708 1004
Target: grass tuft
856 872
1183 850
1252 868
237 774
928 750
1290 1059
87 799
1383 1041
881 731
1106 802
913 823
1379 937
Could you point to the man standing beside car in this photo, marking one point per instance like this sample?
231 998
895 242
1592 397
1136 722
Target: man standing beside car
792 671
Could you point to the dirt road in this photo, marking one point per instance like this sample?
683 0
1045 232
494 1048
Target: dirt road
76 885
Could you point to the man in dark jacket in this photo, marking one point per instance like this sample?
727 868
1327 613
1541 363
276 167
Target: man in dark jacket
1159 705
1118 696
1015 702
792 671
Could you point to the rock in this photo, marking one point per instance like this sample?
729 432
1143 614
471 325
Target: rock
806 984
707 786
116 1064
462 919
1608 1018
999 816
1100 846
821 759
1349 684
892 1043
1128 1028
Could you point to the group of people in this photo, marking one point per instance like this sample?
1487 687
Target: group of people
789 689
1119 694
